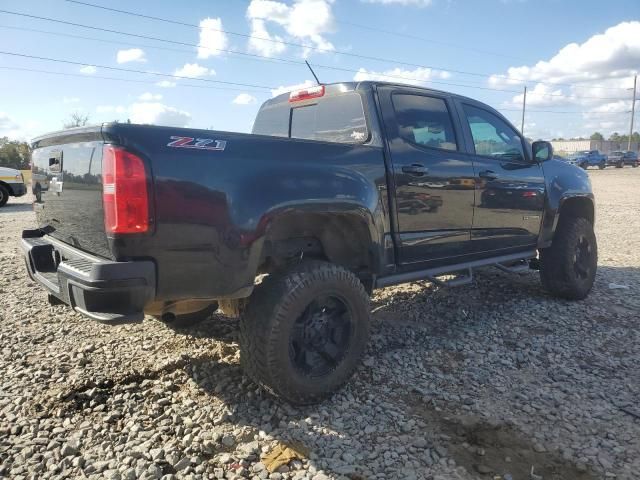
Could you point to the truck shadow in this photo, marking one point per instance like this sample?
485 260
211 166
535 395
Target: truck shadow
16 208
416 372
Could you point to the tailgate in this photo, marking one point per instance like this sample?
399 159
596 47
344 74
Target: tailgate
67 185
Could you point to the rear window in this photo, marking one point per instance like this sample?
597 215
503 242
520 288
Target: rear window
339 119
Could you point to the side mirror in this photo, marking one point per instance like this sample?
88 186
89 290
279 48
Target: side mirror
542 151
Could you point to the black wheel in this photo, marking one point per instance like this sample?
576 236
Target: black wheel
602 165
4 195
634 164
304 331
619 165
189 319
585 166
568 267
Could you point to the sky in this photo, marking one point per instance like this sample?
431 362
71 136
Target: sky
216 61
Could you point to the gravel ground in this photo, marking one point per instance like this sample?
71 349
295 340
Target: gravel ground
491 380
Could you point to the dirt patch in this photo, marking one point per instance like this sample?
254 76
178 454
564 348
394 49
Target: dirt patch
496 450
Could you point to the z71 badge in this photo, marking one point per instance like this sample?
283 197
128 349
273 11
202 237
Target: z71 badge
199 143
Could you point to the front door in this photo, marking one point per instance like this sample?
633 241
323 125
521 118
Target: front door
434 186
510 186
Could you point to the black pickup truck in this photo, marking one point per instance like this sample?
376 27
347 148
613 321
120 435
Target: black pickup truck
339 190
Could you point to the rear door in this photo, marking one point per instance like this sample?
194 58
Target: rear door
510 186
433 179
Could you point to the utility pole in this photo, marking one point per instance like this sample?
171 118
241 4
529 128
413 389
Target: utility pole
524 106
633 111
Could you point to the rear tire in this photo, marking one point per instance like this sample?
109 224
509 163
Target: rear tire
568 267
4 195
304 331
634 165
584 166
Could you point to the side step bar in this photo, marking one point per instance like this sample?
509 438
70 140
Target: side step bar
515 262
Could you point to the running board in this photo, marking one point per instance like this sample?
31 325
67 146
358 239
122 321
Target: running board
504 262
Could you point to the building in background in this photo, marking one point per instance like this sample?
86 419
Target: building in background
604 146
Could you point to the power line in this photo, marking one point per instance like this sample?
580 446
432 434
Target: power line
129 80
208 87
146 72
327 50
299 62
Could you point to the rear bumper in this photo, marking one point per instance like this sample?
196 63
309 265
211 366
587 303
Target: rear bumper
19 189
107 291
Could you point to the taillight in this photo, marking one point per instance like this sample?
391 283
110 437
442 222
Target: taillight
124 192
306 93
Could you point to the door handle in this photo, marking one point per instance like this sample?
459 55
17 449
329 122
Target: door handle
415 169
488 174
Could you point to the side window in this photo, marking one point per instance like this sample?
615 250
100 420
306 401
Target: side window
492 136
424 121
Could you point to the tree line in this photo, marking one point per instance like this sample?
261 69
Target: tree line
614 137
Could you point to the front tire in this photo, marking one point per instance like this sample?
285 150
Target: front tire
620 165
602 166
304 331
568 267
4 195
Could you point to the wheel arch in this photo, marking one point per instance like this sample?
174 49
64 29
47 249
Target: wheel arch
345 238
7 186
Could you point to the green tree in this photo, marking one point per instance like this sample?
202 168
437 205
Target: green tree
596 136
14 154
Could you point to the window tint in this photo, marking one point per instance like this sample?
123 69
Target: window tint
333 119
492 136
424 121
272 120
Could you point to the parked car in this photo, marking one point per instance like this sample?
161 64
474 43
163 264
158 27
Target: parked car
620 159
340 189
11 184
588 158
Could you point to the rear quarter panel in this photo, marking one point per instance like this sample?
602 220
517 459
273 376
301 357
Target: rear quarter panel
213 207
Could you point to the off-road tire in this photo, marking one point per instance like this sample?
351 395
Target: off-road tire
557 263
268 320
188 320
4 195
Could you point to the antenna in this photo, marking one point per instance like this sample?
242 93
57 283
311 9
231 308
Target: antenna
313 73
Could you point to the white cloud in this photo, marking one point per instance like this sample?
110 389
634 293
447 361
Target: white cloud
67 100
612 54
419 76
130 55
413 3
193 70
148 96
166 84
88 70
11 128
592 77
158 114
110 109
284 89
212 39
245 99
305 21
